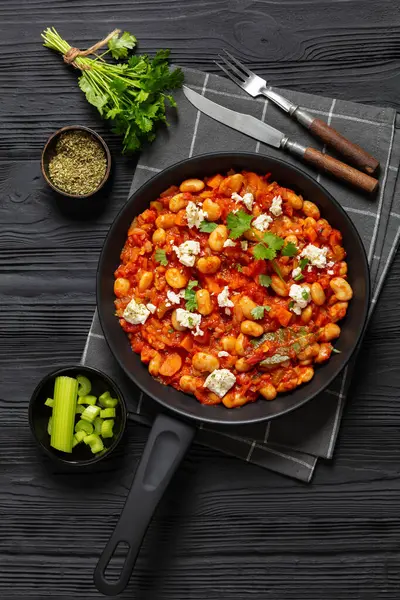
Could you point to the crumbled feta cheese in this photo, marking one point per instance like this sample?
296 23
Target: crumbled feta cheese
316 256
247 199
330 272
296 272
228 311
195 215
152 308
229 243
330 264
262 222
136 313
276 206
220 382
301 296
244 244
187 252
173 298
189 320
222 354
223 298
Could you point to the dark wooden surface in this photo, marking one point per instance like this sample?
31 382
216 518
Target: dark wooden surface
225 529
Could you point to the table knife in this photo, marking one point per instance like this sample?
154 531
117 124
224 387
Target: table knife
262 132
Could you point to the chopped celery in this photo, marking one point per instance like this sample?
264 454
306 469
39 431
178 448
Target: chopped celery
78 438
90 413
79 409
107 428
62 430
97 425
87 400
84 426
106 401
84 385
49 402
49 425
107 413
95 443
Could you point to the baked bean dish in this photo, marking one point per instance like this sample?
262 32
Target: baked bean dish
231 287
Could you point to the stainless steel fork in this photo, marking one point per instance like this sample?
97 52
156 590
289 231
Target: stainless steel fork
256 86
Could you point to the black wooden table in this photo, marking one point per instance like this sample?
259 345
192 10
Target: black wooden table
225 529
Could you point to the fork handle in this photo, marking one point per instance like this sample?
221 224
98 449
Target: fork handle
352 152
326 163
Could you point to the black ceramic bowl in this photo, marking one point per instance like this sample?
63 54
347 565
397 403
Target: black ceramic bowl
39 415
49 151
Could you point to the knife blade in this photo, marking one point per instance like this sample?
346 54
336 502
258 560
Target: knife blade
263 132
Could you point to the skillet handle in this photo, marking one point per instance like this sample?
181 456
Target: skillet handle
168 441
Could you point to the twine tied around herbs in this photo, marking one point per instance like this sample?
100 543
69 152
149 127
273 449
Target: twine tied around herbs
74 53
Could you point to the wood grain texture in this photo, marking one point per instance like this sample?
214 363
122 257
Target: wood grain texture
225 529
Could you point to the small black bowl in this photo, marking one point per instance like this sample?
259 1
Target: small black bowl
39 415
49 151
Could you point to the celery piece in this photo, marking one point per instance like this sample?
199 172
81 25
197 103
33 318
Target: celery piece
49 402
87 400
97 425
84 426
106 401
79 409
107 413
84 385
90 413
49 425
107 428
62 430
95 443
78 437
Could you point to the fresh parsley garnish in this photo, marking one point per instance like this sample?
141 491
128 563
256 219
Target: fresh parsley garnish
269 246
258 312
239 267
296 347
298 277
190 296
289 250
238 223
277 270
291 304
305 295
171 330
336 351
161 257
303 263
265 280
207 226
119 46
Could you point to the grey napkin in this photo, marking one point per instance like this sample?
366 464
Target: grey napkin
292 444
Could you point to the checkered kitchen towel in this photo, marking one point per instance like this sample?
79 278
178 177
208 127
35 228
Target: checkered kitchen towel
292 444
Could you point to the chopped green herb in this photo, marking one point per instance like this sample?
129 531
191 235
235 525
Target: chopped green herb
161 257
269 246
277 270
171 330
289 250
239 267
296 347
303 263
238 223
298 277
336 351
305 295
207 226
291 304
258 312
190 296
264 280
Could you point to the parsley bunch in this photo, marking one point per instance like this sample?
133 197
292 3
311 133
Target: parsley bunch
130 93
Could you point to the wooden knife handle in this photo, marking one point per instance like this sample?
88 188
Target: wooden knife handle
353 153
340 170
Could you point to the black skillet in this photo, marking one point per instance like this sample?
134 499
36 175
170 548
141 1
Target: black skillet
171 436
